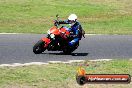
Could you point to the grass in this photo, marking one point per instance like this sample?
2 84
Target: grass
96 16
61 75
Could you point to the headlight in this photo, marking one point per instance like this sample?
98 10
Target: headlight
52 35
48 31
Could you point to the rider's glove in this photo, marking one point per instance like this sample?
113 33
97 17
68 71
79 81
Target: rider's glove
56 22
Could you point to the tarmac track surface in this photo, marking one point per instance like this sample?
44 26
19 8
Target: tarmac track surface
17 48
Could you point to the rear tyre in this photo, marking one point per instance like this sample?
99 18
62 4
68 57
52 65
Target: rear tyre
69 50
39 47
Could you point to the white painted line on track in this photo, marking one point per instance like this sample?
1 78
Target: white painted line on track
130 59
25 64
52 62
101 60
10 33
29 33
72 61
45 33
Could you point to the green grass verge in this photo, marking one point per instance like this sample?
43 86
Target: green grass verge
96 16
61 75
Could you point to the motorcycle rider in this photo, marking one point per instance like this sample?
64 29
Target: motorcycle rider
75 28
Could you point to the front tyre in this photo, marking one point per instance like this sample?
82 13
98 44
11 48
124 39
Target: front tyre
39 47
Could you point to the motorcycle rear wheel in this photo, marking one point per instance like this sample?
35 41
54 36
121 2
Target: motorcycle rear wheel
69 50
39 47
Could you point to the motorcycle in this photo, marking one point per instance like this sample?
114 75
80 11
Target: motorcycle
56 40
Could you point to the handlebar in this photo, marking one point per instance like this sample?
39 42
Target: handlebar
57 16
56 22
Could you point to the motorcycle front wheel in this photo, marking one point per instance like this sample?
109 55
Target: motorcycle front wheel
39 47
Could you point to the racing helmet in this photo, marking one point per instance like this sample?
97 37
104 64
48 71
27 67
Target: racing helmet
72 17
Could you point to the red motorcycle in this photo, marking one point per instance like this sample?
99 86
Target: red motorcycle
57 40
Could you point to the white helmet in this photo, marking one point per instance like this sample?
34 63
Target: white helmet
72 17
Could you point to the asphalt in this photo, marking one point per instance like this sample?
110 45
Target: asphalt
17 48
